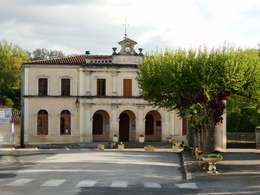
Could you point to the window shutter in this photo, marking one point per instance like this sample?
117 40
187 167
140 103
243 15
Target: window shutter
45 125
127 87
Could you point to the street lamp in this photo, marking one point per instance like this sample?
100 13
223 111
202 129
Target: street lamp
77 103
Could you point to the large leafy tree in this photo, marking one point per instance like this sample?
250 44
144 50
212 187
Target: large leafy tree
11 59
175 78
41 54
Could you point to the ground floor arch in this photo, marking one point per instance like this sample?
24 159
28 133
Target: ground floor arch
100 126
153 126
127 126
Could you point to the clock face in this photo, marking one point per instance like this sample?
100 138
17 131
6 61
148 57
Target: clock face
127 49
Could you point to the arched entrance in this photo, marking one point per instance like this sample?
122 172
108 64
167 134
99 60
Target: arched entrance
100 126
97 124
153 127
149 124
124 127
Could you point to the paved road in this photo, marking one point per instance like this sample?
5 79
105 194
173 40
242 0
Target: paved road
239 173
95 172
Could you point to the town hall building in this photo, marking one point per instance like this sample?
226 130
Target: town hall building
91 98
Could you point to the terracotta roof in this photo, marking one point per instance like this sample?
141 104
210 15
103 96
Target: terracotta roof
16 116
5 106
76 60
99 56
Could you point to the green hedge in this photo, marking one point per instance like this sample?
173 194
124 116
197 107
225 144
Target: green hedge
243 120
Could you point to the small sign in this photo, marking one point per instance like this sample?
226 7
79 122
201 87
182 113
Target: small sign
107 128
3 121
158 129
2 114
133 128
7 114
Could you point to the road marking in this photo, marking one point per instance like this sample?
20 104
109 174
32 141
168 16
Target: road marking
119 184
67 148
53 182
152 185
20 182
37 148
187 185
53 149
86 183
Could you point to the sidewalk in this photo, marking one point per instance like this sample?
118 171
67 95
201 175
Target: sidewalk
239 172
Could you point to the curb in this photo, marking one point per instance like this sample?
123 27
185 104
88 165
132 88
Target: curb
186 170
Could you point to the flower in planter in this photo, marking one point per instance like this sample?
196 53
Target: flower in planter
115 135
141 136
212 155
150 146
121 143
176 144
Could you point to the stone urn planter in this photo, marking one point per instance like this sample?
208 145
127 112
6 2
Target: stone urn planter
149 148
115 139
175 148
121 147
212 162
141 139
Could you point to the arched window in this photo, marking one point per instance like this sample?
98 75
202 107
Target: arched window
42 122
65 122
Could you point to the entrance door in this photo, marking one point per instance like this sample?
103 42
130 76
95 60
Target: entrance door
149 127
97 127
124 127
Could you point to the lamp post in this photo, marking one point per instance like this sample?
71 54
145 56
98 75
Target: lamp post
77 103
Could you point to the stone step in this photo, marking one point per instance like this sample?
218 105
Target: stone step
141 145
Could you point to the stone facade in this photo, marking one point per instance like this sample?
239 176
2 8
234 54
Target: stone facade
90 98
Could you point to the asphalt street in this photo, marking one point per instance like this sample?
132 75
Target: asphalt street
93 172
133 171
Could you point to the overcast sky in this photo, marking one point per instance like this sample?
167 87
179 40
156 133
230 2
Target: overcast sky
75 26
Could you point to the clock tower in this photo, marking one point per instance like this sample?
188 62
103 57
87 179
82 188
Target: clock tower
127 47
127 54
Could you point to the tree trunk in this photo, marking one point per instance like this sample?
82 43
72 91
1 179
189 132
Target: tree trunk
208 146
190 134
201 138
195 133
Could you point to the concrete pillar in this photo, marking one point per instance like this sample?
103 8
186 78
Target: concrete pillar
163 133
26 120
114 75
140 126
89 136
114 126
220 132
88 80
